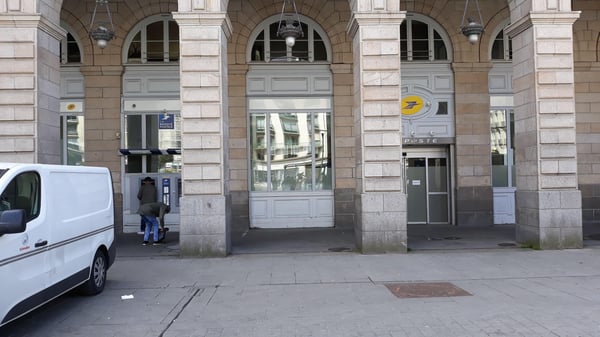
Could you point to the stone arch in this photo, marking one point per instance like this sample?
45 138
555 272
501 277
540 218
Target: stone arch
438 10
264 26
332 16
125 16
586 45
78 28
598 48
586 37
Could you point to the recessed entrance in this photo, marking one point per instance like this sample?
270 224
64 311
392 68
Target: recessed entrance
427 185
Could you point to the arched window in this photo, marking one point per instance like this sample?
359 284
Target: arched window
268 47
154 40
501 49
70 51
422 39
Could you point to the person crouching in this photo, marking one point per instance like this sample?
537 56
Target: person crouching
149 213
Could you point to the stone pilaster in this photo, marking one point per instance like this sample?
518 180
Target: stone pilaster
29 86
548 200
345 141
380 202
474 195
204 217
103 125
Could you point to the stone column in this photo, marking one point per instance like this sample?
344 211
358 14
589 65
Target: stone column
103 120
548 200
380 202
204 217
29 83
474 195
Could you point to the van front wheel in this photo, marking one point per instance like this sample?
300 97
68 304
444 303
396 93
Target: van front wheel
95 284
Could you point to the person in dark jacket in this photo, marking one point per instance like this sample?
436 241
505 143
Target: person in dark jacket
146 194
149 213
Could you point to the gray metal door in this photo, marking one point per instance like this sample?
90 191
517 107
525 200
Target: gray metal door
427 186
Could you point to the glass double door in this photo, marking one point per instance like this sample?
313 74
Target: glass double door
427 185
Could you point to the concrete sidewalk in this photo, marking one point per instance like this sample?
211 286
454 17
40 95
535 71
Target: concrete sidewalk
495 292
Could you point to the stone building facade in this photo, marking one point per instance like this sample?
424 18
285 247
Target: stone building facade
382 114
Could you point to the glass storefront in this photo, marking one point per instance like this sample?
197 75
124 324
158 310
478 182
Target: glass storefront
502 147
151 132
290 151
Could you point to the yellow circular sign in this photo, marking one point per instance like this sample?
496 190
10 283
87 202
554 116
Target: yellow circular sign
71 106
411 105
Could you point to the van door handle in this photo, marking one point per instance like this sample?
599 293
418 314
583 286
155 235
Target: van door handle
41 243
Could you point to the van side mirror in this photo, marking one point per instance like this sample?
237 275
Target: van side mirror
12 221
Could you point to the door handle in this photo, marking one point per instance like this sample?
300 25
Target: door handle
41 243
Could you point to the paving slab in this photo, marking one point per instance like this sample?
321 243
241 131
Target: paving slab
511 292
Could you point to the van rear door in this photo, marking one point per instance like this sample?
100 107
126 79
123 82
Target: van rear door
82 219
23 256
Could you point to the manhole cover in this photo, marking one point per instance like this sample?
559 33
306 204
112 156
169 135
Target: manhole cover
507 244
428 289
451 238
434 239
339 249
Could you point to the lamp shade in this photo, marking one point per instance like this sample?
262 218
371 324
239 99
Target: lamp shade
472 31
290 41
99 31
290 27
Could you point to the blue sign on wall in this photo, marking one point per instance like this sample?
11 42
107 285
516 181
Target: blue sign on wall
166 121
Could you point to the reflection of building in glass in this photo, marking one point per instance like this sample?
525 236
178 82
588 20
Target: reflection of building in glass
144 132
296 157
75 142
502 148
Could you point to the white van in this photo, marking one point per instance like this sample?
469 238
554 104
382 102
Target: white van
56 233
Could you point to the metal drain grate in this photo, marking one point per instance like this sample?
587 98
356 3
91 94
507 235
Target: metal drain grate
507 244
427 289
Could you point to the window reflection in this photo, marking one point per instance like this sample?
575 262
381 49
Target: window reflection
296 154
291 150
323 173
502 147
258 157
151 132
72 139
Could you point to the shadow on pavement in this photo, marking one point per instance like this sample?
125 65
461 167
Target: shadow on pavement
294 240
322 240
130 245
